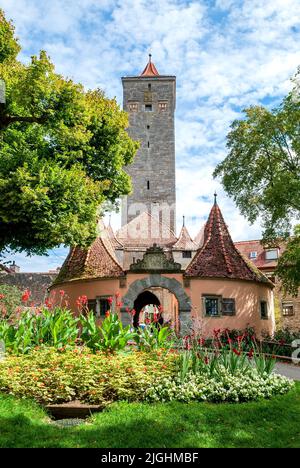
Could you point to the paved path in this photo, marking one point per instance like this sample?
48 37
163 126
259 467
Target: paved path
289 370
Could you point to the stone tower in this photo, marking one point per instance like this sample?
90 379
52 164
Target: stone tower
150 101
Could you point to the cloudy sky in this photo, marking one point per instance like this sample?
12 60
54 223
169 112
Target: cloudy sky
226 54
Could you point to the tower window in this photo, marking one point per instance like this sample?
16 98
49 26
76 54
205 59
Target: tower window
148 184
133 106
148 127
148 107
148 144
162 106
263 310
149 86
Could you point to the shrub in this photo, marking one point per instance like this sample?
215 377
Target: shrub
52 376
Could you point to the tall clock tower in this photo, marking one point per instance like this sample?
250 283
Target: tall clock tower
150 101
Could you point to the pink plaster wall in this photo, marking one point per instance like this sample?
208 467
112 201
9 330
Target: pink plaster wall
247 297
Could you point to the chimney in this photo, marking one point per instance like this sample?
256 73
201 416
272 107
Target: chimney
14 268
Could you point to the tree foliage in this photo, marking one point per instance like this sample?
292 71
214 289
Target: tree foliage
62 154
262 174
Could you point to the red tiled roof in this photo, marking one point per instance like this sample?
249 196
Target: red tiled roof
246 247
150 69
97 261
144 231
218 257
184 241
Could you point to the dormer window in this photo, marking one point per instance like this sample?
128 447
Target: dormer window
271 254
187 254
253 255
148 107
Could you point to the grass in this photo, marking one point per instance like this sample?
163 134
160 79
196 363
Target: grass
267 423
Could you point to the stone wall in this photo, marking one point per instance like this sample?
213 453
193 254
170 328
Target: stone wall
37 283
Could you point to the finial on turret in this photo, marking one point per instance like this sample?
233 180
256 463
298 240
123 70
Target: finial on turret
215 195
183 221
150 55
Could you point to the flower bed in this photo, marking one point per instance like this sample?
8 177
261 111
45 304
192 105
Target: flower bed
224 387
50 376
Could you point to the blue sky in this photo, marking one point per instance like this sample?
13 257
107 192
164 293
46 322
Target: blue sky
226 54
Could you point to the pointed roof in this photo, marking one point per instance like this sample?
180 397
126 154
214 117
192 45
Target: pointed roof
218 257
150 69
184 241
114 241
144 231
96 261
199 239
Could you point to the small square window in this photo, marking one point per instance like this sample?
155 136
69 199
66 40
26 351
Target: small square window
253 254
211 306
272 254
263 310
148 107
287 309
187 254
228 306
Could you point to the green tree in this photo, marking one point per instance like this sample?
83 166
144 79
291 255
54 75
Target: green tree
62 154
262 174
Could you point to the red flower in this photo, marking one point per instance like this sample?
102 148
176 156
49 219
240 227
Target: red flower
206 360
2 296
250 354
26 295
110 300
62 293
117 294
119 304
147 321
48 303
238 353
160 308
107 313
240 338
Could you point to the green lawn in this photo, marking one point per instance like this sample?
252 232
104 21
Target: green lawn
273 423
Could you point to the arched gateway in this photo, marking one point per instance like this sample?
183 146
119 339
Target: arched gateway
157 280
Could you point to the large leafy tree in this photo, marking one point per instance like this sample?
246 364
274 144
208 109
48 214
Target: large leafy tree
262 174
62 154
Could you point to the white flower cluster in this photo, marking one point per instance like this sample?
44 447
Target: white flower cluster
220 388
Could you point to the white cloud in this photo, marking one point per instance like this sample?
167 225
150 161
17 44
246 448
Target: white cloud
226 54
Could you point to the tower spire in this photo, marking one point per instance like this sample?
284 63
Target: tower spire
150 69
215 198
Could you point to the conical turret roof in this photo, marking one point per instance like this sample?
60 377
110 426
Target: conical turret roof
150 69
218 257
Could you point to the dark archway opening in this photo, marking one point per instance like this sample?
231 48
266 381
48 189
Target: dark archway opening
144 299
